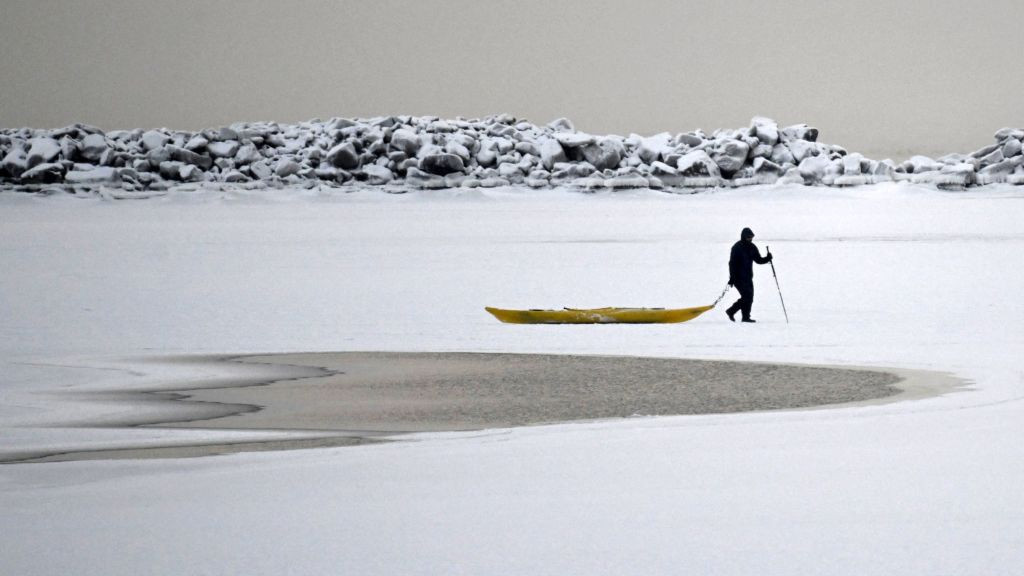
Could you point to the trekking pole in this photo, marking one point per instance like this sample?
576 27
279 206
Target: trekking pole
767 249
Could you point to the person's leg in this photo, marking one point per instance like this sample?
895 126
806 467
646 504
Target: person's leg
736 306
747 293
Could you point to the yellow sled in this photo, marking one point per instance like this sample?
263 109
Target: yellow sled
599 315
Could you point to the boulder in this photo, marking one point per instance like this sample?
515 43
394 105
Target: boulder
763 166
562 125
919 164
486 157
406 141
154 139
190 173
47 173
697 163
93 146
223 149
196 142
655 148
527 147
344 156
782 155
766 130
762 151
68 148
42 151
574 139
286 167
851 165
457 149
261 170
1004 133
189 157
661 169
982 152
799 132
731 155
812 168
100 175
689 139
234 176
171 169
15 162
604 154
420 179
226 133
442 164
247 154
1011 147
801 149
377 175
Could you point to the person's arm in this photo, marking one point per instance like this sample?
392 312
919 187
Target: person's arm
757 255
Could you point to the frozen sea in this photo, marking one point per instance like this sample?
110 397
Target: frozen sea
102 296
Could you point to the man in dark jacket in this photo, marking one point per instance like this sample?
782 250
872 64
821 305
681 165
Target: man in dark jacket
741 273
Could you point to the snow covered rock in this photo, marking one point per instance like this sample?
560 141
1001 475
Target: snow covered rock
154 139
442 164
44 173
604 154
15 162
812 168
1011 147
689 139
551 153
406 141
562 125
247 154
918 164
189 157
799 132
377 175
221 149
574 139
659 168
344 156
655 148
286 167
801 149
763 166
697 163
234 176
196 143
431 152
99 175
93 146
1004 133
420 179
42 151
731 155
766 130
781 154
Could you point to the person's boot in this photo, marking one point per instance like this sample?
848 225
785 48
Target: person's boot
731 313
751 320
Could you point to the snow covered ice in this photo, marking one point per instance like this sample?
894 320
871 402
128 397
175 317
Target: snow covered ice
102 296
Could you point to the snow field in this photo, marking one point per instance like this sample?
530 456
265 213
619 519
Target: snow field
891 275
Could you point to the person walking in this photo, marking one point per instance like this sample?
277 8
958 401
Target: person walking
741 274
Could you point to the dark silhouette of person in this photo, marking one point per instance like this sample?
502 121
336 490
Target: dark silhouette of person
741 273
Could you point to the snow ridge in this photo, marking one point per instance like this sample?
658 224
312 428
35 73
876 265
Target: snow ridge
399 153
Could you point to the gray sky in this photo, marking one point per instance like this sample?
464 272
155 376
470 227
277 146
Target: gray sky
883 77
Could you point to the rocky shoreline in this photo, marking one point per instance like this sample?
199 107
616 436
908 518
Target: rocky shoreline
399 153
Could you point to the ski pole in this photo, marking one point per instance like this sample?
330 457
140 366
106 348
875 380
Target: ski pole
769 250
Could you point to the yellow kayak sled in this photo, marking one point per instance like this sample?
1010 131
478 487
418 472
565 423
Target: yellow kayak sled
599 315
